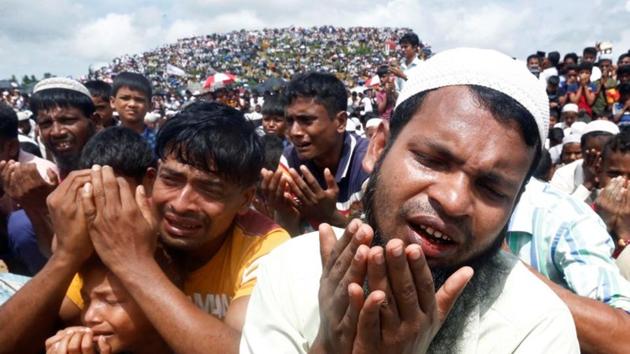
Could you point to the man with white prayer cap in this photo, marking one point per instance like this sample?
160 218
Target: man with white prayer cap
425 272
571 148
371 125
568 116
579 178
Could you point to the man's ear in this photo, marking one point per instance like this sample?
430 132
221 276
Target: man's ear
148 180
341 118
248 195
112 99
377 145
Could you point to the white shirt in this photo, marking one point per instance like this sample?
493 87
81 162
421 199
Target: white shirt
570 179
367 104
407 69
283 311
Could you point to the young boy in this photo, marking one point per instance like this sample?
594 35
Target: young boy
111 321
273 121
131 98
101 95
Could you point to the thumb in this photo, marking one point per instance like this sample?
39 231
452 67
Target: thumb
331 184
52 177
145 206
87 203
103 346
327 240
449 292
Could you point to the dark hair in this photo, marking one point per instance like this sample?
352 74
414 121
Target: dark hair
325 88
122 149
623 70
133 81
382 70
411 39
585 66
213 137
590 50
532 56
273 150
624 89
99 88
553 80
8 122
64 98
544 166
591 135
501 106
570 67
273 106
619 143
572 56
556 135
554 58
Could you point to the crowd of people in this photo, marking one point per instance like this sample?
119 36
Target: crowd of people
378 200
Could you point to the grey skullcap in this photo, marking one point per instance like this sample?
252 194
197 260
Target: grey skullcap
62 83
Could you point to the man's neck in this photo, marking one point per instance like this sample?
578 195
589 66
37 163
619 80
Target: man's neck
408 61
197 258
331 159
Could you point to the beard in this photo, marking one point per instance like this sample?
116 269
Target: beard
479 294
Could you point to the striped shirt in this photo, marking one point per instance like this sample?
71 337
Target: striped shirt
349 176
565 240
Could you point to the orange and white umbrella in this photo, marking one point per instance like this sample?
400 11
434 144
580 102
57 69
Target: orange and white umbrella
219 80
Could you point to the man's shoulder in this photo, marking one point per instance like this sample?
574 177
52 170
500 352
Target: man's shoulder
525 301
255 224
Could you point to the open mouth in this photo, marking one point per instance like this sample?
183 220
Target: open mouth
180 226
435 243
62 146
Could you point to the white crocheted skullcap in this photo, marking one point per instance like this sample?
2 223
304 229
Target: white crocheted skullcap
61 83
600 125
570 107
572 139
482 67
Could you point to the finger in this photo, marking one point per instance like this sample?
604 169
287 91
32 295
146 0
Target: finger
146 208
343 252
449 292
331 184
98 190
54 339
74 344
310 180
62 345
355 303
327 242
87 343
52 177
422 278
265 179
276 185
401 281
87 201
300 189
354 274
110 185
377 281
103 346
369 323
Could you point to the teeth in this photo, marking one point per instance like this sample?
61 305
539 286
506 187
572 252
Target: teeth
435 233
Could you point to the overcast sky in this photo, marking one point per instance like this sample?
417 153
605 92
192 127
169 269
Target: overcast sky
64 37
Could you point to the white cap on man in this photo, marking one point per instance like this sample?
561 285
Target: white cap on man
482 67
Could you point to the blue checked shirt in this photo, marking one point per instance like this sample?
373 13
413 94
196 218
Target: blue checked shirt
565 240
149 136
